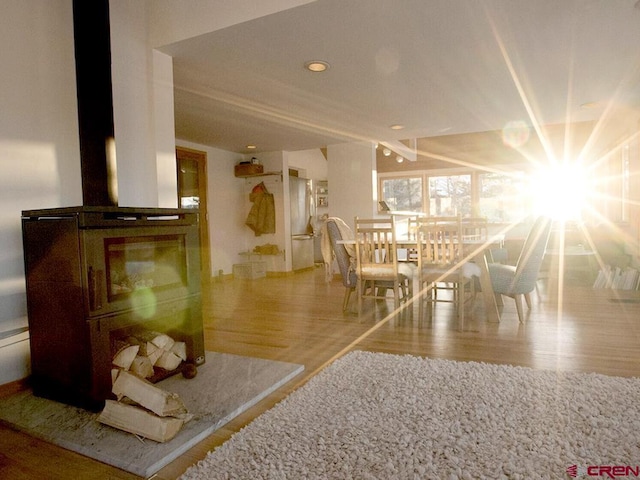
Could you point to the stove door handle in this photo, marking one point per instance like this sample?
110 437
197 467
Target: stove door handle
95 287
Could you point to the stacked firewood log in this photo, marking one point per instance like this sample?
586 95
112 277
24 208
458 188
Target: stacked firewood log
141 407
146 350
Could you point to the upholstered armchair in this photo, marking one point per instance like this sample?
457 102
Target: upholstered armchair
344 261
520 280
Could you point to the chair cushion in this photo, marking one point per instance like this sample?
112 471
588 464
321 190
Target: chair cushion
406 269
502 277
378 271
469 270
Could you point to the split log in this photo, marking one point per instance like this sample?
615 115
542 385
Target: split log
142 366
142 408
125 356
140 422
144 393
168 361
160 340
155 353
144 350
163 341
180 349
147 348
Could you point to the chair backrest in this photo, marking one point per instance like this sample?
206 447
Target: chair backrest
531 255
439 243
440 219
343 259
475 228
412 228
376 248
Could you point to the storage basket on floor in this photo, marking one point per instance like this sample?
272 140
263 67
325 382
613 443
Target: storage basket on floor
250 270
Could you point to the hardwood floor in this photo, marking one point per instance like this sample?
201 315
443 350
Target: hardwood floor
299 318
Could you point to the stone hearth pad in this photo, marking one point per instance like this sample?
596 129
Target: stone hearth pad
226 385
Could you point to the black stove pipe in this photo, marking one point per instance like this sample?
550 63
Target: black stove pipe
95 102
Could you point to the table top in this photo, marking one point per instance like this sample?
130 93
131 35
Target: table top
570 251
412 242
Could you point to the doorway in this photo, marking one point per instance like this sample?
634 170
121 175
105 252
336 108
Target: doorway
191 168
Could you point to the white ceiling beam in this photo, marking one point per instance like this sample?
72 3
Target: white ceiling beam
407 152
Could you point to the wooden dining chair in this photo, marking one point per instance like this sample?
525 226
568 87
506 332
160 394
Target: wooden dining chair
475 228
438 220
440 261
411 235
378 270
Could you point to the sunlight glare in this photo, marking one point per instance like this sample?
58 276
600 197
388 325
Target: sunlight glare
560 191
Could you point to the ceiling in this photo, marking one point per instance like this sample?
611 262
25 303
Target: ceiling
437 67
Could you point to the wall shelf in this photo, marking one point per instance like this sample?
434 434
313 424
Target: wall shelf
259 255
263 174
322 194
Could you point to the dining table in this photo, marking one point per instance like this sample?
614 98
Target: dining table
477 251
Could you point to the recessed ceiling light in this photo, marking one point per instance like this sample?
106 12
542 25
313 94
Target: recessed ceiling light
588 105
316 66
386 152
396 126
399 159
251 147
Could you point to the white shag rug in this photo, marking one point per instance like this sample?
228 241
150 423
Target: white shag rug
382 416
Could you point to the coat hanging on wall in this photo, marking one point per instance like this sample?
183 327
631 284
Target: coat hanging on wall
262 217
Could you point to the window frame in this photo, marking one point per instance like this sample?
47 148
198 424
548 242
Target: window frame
382 177
425 175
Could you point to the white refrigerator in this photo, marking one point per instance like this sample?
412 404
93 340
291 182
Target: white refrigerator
302 207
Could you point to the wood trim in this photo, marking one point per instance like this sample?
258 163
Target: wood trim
14 387
183 153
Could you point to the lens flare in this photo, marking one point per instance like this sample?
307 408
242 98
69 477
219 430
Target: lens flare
143 300
515 134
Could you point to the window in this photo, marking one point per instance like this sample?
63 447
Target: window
403 194
501 197
450 195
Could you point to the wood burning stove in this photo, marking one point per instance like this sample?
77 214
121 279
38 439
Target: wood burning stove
96 275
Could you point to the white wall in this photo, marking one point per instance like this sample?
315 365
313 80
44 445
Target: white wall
352 181
164 130
311 163
39 147
142 110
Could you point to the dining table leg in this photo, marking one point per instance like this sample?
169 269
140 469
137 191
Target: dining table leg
488 295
